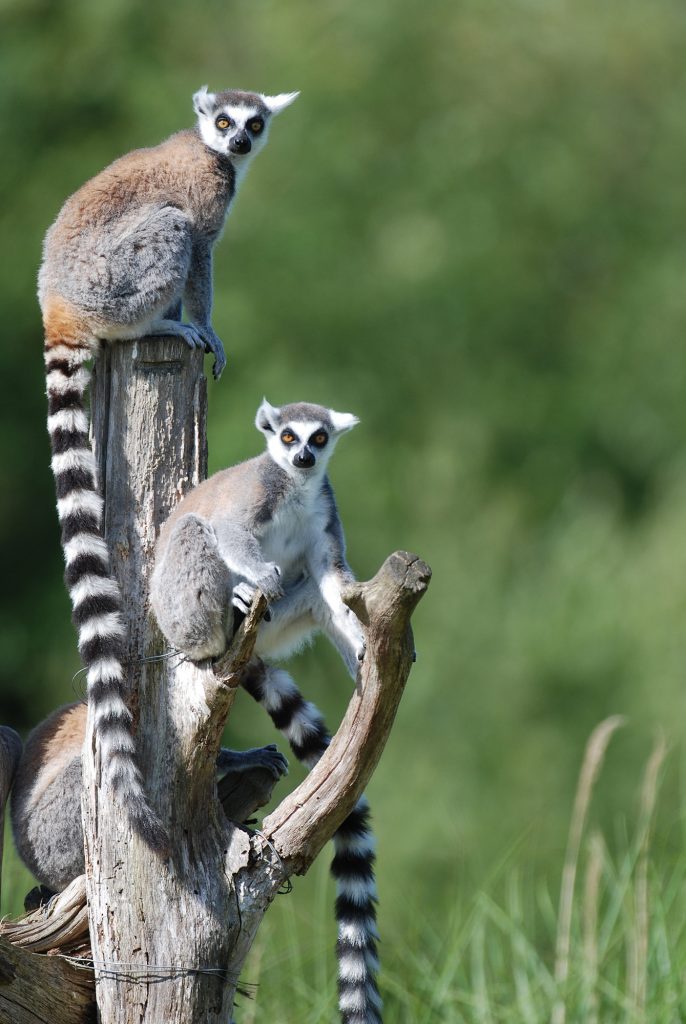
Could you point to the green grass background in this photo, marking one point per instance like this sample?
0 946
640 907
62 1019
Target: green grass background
469 230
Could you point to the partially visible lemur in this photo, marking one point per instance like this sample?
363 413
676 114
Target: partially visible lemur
126 251
271 523
46 794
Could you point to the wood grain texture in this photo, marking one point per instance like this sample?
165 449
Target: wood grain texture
61 924
165 929
43 989
169 936
306 819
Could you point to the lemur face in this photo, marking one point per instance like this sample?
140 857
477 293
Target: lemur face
301 437
235 123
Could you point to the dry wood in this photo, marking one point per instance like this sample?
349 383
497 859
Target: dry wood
43 989
61 924
169 937
306 819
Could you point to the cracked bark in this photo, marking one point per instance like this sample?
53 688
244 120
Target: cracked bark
170 937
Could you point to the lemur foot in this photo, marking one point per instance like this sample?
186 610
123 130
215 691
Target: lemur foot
196 336
213 344
267 757
38 897
189 333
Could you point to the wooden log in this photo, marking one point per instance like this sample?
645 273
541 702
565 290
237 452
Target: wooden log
43 989
169 937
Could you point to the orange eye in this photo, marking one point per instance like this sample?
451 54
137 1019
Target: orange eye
223 123
320 439
256 126
287 437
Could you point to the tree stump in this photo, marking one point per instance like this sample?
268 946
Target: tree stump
169 937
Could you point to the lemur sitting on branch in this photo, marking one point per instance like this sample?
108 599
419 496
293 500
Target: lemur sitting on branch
126 251
271 523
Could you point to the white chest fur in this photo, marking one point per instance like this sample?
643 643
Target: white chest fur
292 535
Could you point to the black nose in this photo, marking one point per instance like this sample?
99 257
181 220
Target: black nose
304 459
240 143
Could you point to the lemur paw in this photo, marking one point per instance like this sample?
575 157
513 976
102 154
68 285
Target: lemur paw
269 758
187 332
242 597
270 582
272 759
212 344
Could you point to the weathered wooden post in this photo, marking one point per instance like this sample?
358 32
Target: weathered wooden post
169 937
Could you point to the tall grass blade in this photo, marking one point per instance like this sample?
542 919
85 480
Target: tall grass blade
592 763
594 871
639 973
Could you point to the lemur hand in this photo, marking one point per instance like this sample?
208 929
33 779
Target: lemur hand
352 629
270 582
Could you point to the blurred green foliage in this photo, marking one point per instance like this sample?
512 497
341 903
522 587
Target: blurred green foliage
469 231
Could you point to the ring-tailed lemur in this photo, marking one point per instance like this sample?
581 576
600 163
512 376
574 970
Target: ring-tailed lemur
125 252
46 793
271 523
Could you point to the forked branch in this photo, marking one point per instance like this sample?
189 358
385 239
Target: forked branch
306 820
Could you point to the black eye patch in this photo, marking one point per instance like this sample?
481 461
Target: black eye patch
319 438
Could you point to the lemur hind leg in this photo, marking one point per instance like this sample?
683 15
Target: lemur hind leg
192 607
353 864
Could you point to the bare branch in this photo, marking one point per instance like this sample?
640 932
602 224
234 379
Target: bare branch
62 923
306 820
230 666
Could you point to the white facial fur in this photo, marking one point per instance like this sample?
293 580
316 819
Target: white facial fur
303 429
205 104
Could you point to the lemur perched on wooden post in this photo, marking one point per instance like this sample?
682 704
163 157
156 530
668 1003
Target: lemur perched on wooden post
270 523
127 249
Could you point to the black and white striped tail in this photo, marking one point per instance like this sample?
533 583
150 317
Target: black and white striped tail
353 863
94 592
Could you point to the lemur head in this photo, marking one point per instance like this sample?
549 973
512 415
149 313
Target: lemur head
236 123
301 437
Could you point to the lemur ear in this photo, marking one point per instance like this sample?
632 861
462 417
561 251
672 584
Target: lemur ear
275 104
203 101
267 418
342 421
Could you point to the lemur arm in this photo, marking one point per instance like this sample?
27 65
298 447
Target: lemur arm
241 552
330 571
197 299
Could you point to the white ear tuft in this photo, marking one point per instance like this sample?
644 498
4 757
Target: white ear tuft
267 418
203 100
342 421
278 103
